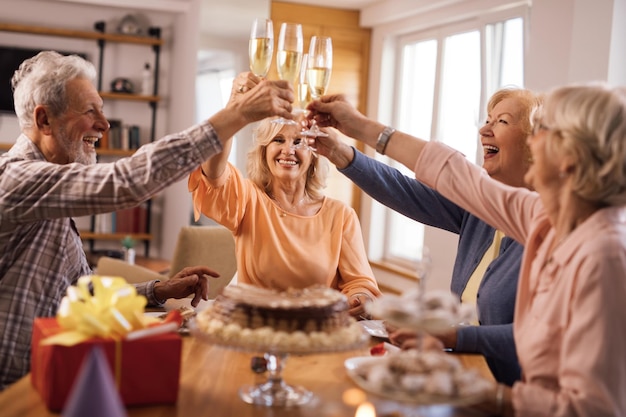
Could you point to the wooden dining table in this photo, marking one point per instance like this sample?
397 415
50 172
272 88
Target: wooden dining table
211 377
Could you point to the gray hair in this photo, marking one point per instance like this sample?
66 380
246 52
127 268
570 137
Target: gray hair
41 80
588 122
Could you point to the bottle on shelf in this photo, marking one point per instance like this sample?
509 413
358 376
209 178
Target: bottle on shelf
147 80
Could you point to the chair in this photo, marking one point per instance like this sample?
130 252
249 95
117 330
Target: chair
131 273
211 246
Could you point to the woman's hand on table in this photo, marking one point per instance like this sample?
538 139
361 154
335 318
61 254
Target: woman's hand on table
410 339
190 280
356 303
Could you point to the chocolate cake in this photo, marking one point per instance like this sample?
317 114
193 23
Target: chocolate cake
311 318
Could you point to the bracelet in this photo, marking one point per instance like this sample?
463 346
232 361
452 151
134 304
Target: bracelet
356 294
383 139
500 399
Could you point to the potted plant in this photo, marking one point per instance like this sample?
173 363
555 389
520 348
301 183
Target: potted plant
128 243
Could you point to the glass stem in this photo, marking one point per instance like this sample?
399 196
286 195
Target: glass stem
275 364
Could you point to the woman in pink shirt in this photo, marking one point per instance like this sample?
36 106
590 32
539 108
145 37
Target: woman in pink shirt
287 233
568 324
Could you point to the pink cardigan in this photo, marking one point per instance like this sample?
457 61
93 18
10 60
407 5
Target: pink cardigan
569 322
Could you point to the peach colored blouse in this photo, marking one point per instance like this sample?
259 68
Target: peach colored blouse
281 250
569 322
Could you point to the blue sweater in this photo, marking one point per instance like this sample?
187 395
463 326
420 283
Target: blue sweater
496 293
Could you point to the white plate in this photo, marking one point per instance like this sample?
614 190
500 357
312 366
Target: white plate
355 366
375 328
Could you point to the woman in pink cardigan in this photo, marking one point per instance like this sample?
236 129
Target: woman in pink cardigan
568 325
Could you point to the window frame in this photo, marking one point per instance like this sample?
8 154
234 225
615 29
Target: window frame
379 227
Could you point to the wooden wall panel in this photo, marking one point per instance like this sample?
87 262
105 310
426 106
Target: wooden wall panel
351 51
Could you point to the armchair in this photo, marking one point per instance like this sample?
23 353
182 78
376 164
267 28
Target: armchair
211 246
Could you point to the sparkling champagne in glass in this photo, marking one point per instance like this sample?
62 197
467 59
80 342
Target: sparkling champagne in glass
424 265
319 67
303 93
289 56
261 46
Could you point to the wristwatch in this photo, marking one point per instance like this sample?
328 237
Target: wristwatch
383 139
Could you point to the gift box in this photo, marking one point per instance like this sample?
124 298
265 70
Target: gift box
145 370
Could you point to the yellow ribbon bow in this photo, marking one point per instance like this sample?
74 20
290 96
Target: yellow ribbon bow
112 311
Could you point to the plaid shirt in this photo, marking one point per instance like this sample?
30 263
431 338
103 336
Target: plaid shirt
41 252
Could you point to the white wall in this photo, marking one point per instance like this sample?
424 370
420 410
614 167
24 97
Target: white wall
569 41
574 41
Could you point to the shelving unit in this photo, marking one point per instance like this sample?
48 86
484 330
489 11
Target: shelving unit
154 41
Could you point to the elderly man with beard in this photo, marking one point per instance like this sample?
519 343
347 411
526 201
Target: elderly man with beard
50 176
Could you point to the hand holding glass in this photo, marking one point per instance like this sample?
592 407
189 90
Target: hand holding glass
261 46
319 68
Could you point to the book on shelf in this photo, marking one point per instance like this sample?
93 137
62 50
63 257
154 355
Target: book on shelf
134 139
120 136
131 220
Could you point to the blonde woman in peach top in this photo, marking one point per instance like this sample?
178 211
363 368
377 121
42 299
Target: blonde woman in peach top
287 233
568 325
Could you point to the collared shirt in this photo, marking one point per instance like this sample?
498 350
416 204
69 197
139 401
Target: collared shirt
41 252
470 292
568 329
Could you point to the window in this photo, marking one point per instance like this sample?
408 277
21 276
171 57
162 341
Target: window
444 78
212 83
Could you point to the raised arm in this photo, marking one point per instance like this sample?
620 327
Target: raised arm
391 187
251 100
403 148
244 82
444 170
335 149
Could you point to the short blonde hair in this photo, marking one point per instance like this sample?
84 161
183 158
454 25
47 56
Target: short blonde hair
589 123
259 172
530 104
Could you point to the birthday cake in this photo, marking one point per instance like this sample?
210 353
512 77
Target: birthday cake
314 318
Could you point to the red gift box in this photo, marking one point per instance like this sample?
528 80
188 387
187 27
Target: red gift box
146 371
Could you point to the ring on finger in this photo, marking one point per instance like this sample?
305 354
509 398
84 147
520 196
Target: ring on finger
240 89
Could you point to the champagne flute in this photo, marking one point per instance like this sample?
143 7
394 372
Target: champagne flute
319 67
303 93
303 98
261 46
288 57
423 268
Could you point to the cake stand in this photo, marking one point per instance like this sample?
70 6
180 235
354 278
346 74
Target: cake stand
275 392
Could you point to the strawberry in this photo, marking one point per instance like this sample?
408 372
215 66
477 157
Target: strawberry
378 350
